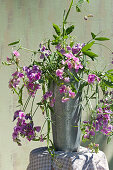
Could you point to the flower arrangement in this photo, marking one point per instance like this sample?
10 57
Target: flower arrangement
59 60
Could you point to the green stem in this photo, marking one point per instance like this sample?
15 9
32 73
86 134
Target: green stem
32 105
65 19
26 103
104 46
68 11
29 50
93 38
48 127
97 96
42 126
35 111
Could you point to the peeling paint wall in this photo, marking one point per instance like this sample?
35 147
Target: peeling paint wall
31 21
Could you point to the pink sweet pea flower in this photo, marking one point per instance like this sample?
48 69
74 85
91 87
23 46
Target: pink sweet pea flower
52 102
64 99
67 79
70 65
63 89
21 115
71 94
98 79
69 55
60 72
91 78
16 53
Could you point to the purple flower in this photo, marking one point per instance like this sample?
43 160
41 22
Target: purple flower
96 125
16 114
86 136
60 49
44 52
24 129
63 89
42 56
92 133
14 135
47 95
14 82
47 53
37 128
41 139
8 59
43 49
91 78
60 72
68 48
27 116
52 102
32 88
99 110
33 73
76 49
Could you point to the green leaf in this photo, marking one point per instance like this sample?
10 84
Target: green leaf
57 29
83 85
71 44
90 54
80 2
34 139
73 76
78 9
108 139
111 107
110 76
102 38
20 95
93 35
109 71
87 46
55 42
37 63
87 1
5 63
69 29
65 37
55 36
13 43
41 81
108 83
48 44
51 109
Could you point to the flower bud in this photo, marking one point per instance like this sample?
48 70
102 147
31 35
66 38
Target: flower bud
90 15
17 60
85 18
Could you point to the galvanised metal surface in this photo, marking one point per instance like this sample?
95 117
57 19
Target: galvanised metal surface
66 121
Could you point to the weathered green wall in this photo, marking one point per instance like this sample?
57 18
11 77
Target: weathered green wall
31 21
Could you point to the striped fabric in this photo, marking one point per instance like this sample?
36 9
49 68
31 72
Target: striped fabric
40 159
